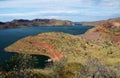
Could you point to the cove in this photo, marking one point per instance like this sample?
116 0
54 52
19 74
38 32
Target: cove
41 61
11 35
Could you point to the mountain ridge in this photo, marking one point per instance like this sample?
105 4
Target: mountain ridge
35 22
111 21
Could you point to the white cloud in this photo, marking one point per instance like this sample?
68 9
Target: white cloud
54 8
61 4
110 4
35 3
41 12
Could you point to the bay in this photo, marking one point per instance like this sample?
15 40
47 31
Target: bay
11 35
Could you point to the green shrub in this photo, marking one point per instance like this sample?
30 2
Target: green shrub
20 62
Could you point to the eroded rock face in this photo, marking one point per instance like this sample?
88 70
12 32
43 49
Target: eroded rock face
107 30
55 45
107 23
35 22
35 46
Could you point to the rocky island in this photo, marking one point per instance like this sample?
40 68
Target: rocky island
35 22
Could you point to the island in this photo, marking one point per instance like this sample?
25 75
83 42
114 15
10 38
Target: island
35 22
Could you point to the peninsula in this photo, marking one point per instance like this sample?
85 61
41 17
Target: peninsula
60 45
98 48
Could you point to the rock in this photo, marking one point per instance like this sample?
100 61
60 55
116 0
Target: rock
104 31
105 23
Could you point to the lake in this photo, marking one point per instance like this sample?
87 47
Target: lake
9 36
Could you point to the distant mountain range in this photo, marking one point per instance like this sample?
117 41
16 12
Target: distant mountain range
35 22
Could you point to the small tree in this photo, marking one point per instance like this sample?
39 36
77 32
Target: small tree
20 62
26 62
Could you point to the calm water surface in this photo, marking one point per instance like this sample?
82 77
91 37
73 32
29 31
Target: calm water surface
9 36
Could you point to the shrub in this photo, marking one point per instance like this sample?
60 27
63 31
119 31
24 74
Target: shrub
66 70
20 62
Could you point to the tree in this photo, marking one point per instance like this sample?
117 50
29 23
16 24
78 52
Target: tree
20 62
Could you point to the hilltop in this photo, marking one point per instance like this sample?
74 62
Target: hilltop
35 22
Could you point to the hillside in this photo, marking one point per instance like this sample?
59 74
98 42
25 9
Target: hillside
108 30
109 22
59 45
93 54
75 48
35 22
55 45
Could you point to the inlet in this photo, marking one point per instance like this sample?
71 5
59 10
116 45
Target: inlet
42 61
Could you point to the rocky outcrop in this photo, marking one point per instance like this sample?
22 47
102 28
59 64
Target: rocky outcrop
106 23
36 46
55 45
97 34
104 31
35 22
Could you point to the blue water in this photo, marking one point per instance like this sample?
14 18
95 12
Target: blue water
9 36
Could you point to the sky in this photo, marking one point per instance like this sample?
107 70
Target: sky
74 10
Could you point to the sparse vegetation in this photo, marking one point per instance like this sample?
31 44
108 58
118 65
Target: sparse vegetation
73 56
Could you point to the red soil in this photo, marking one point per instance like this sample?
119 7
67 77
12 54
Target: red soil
54 54
102 31
116 39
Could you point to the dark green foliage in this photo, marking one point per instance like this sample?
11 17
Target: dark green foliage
25 74
64 69
21 66
20 62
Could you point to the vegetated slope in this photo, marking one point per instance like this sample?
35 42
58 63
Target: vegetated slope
105 31
61 45
35 22
109 22
55 45
101 42
107 35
